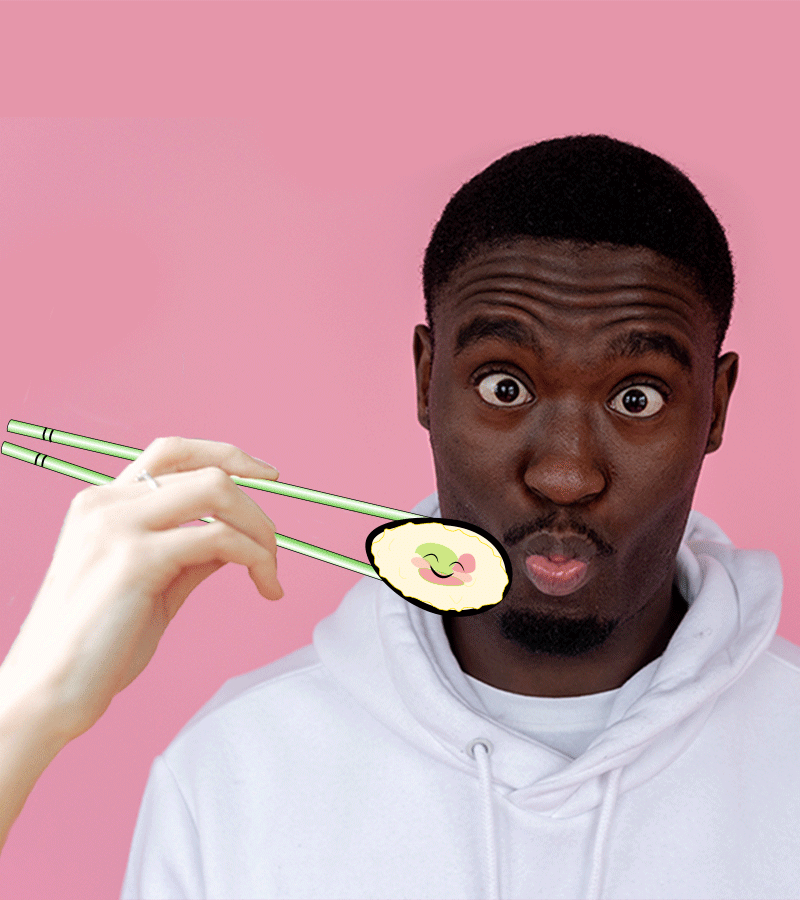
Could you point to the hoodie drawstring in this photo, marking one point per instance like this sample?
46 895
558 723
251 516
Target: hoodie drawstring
480 750
601 836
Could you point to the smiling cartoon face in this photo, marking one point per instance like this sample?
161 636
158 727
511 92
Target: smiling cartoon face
439 564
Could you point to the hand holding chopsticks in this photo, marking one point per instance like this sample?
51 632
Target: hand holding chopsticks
122 569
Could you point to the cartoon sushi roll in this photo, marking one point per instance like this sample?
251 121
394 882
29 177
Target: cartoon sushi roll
441 565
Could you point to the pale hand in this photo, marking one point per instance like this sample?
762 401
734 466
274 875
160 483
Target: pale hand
122 569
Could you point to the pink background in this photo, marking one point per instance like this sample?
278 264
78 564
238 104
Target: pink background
240 262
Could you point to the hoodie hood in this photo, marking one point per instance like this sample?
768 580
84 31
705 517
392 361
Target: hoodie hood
396 660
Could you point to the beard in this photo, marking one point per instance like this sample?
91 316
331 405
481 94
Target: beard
555 636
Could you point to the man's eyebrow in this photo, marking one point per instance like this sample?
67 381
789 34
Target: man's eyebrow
640 343
485 327
631 344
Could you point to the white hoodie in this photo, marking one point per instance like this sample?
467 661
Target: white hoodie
368 765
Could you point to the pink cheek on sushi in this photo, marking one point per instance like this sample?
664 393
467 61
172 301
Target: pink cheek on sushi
467 560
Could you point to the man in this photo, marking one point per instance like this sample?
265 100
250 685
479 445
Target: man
626 722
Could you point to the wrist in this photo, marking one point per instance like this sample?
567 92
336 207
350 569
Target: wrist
28 713
28 744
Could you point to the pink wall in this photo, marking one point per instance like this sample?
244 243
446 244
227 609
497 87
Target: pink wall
254 279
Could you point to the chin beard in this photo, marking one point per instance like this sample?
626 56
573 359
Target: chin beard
555 636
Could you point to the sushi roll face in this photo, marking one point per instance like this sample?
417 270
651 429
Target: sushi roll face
441 565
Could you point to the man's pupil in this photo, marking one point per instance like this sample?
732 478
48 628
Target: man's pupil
634 400
507 390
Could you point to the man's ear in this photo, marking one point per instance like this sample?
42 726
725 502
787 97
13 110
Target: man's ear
423 354
727 370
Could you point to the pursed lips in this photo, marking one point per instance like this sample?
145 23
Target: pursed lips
557 564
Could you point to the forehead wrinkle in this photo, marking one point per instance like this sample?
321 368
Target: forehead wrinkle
551 269
562 293
512 279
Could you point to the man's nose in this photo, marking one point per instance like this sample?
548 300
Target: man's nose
564 463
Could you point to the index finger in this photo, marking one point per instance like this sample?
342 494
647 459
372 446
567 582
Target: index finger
177 454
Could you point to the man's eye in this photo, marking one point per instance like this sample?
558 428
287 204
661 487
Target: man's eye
640 401
502 389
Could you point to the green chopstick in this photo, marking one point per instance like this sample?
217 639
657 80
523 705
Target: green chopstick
92 477
131 453
274 487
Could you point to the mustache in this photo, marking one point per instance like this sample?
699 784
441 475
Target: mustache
518 533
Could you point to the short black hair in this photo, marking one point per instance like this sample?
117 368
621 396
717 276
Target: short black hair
591 189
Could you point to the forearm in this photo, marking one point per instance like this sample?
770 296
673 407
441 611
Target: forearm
27 747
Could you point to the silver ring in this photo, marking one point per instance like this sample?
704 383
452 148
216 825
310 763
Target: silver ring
144 475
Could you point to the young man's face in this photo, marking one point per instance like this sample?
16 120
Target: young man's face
562 435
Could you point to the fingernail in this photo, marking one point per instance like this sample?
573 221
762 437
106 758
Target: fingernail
265 463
